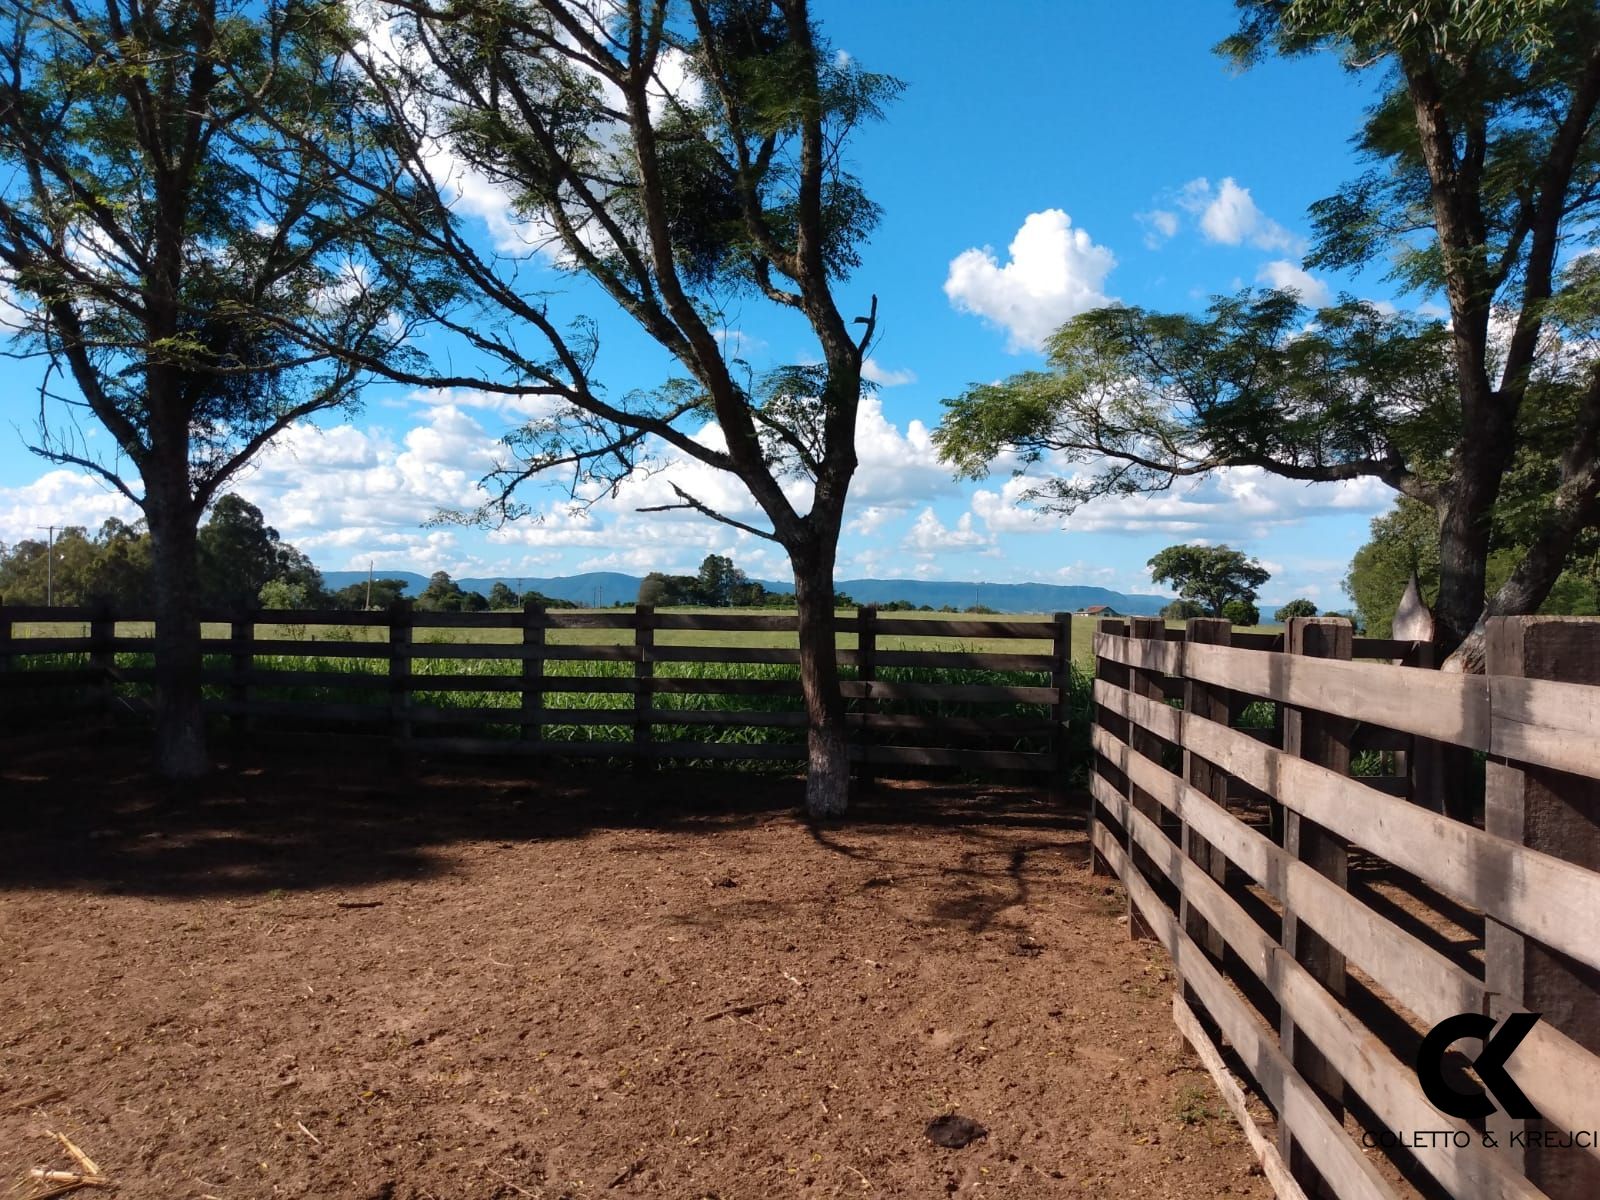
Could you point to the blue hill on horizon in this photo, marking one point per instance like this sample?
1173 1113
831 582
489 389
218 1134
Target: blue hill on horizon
601 589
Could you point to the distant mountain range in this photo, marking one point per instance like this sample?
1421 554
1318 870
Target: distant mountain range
601 589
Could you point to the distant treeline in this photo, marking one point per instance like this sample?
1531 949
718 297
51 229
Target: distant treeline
244 564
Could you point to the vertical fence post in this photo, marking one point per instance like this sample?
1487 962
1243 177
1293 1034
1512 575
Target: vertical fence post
1115 675
1061 710
644 640
1211 703
5 658
102 629
534 622
1424 761
400 675
1324 740
1142 681
866 672
241 633
1554 812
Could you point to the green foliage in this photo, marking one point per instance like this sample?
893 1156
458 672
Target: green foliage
501 596
240 554
1295 608
111 567
1209 575
719 584
1146 398
1242 612
384 592
283 594
182 260
1406 540
1183 610
444 594
1482 152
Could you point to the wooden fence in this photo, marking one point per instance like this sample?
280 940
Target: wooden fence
1321 923
640 684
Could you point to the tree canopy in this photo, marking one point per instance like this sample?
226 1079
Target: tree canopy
192 282
1212 576
1483 149
683 157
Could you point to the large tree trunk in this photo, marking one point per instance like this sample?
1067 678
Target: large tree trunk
180 724
828 746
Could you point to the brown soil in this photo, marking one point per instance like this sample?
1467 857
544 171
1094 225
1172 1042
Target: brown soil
320 978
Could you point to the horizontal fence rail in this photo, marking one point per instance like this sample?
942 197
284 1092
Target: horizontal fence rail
1291 826
635 684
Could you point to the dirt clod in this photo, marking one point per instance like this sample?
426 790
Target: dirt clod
954 1132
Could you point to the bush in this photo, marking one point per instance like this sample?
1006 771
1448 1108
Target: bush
1242 612
1295 608
1182 610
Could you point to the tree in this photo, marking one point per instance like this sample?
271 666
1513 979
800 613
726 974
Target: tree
239 554
676 201
718 580
278 594
1182 610
181 264
383 594
1295 608
664 591
1210 576
1242 612
112 567
1405 540
442 594
1484 146
544 601
501 596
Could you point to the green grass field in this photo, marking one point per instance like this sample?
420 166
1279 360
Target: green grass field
1082 634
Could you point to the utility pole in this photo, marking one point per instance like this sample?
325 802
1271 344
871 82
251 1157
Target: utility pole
371 562
50 567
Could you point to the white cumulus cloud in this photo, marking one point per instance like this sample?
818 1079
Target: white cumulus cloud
1228 215
1281 273
1054 272
875 372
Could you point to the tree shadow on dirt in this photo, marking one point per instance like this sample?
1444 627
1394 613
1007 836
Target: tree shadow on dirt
94 818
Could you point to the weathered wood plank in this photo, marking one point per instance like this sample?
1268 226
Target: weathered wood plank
1338 1157
1361 1060
730 622
1554 901
1165 657
1272 1165
1419 978
890 625
286 647
1450 708
1546 724
1161 719
974 693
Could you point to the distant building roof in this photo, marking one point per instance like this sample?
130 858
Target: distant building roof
1098 609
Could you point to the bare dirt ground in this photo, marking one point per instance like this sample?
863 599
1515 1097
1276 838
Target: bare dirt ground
318 977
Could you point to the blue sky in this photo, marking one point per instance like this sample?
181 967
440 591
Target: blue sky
1043 159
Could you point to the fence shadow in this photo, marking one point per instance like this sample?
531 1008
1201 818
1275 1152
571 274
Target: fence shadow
90 815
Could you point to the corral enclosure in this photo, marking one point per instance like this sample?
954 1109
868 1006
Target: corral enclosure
1321 924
